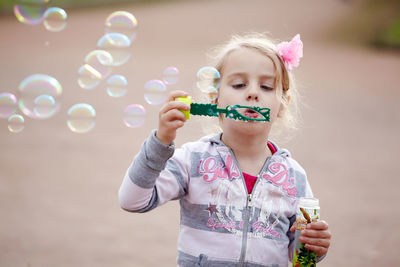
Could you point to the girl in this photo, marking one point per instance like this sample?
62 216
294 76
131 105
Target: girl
237 191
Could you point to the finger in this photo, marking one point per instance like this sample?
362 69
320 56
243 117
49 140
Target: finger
320 225
173 115
293 228
175 94
316 233
319 250
318 242
177 124
174 105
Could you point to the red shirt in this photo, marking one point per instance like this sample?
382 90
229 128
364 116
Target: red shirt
250 180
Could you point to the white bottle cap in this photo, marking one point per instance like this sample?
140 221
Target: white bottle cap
308 202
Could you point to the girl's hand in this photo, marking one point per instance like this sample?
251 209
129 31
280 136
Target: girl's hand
316 237
170 118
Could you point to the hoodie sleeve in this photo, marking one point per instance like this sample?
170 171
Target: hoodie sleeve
157 174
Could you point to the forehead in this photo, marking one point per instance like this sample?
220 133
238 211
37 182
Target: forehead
249 61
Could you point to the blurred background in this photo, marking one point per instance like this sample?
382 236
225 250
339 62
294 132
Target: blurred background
60 174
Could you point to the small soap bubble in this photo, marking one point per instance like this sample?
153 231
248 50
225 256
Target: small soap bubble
81 118
212 93
89 78
155 92
170 75
208 77
117 45
30 12
101 61
45 106
15 123
116 86
34 86
8 104
55 19
122 22
134 115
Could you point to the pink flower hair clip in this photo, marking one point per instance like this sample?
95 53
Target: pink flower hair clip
291 52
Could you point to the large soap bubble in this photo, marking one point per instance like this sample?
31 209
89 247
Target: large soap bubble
155 92
30 12
55 19
116 86
81 118
171 75
38 85
118 45
122 22
208 79
134 115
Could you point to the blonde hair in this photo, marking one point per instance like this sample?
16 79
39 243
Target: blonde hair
284 80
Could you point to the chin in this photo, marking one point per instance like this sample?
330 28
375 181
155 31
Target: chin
250 128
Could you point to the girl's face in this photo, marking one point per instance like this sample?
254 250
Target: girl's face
248 78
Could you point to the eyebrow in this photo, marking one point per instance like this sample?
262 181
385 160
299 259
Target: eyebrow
241 74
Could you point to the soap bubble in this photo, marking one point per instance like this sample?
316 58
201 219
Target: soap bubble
117 45
34 86
116 86
208 79
155 92
89 78
8 105
30 12
15 123
212 93
45 106
170 75
122 22
134 115
97 67
55 19
101 61
81 118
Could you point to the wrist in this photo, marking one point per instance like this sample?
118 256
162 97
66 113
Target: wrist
163 139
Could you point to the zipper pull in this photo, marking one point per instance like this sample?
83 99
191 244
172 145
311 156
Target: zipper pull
249 200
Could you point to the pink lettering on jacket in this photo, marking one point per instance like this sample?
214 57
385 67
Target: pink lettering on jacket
227 225
280 177
212 169
258 227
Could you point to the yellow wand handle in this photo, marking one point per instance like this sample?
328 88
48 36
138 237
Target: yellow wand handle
187 100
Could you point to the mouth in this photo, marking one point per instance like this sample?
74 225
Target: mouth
249 113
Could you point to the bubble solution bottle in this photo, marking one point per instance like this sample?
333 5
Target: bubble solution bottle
307 212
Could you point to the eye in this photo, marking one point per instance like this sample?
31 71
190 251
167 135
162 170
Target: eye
238 85
266 87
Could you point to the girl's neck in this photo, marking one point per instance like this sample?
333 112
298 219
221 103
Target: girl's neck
246 146
251 152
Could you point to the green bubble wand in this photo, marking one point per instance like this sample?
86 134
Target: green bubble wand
231 111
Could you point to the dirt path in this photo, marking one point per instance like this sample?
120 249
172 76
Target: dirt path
58 190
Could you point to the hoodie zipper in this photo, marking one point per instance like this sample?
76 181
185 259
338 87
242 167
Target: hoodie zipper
248 210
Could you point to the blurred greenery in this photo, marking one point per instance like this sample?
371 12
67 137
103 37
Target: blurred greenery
6 6
390 35
372 22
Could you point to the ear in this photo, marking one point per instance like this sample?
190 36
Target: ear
281 111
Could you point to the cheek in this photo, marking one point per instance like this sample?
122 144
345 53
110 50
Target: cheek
276 106
222 97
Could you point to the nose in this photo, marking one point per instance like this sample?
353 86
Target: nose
252 93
